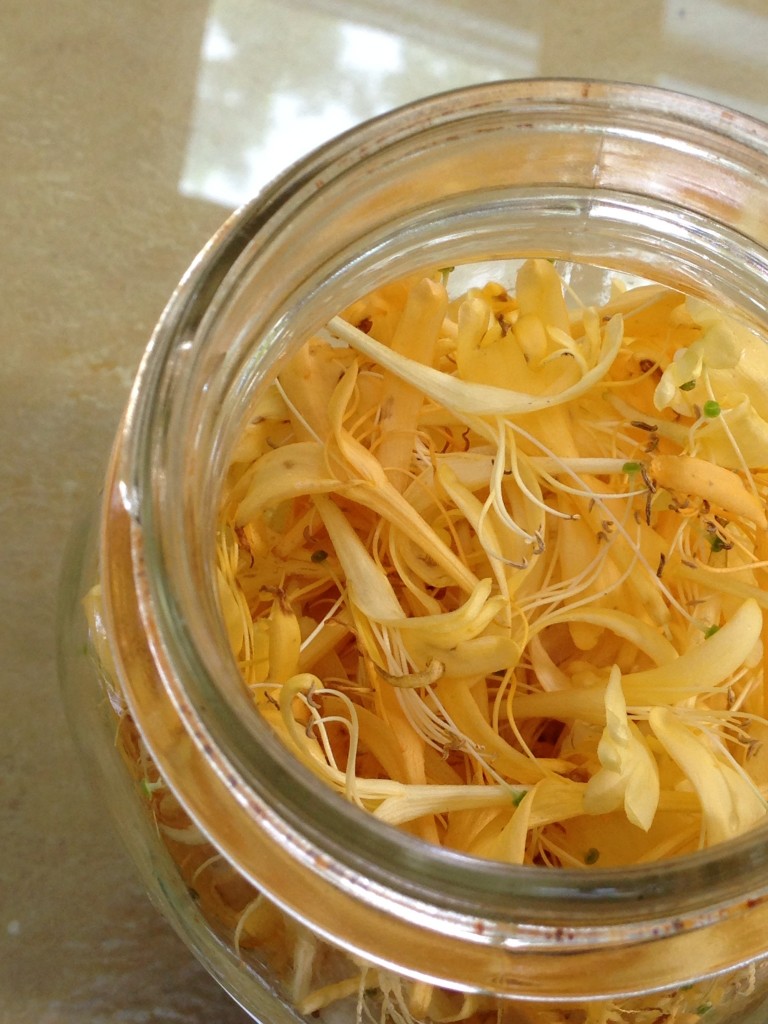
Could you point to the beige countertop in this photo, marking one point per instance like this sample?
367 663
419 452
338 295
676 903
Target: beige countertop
128 131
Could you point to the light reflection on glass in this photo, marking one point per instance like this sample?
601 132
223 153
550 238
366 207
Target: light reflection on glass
272 88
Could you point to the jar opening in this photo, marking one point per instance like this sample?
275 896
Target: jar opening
440 183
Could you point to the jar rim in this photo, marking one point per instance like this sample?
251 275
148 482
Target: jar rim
375 863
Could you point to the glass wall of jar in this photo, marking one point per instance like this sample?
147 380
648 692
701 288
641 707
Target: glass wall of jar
295 899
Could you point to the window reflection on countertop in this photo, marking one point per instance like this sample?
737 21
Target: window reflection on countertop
279 78
273 86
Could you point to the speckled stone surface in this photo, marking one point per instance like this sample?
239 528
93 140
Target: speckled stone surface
128 132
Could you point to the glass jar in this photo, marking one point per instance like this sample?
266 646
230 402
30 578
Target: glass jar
615 176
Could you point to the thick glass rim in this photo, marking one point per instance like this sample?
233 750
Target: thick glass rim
378 862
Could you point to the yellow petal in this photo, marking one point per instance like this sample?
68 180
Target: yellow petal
729 800
629 774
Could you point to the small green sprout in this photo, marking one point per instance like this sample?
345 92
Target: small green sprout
632 467
711 409
592 855
689 385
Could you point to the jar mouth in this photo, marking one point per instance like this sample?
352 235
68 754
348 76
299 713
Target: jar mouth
249 298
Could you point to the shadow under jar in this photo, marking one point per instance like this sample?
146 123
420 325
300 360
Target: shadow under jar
222 820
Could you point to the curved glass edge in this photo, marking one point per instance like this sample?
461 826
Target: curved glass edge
86 695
